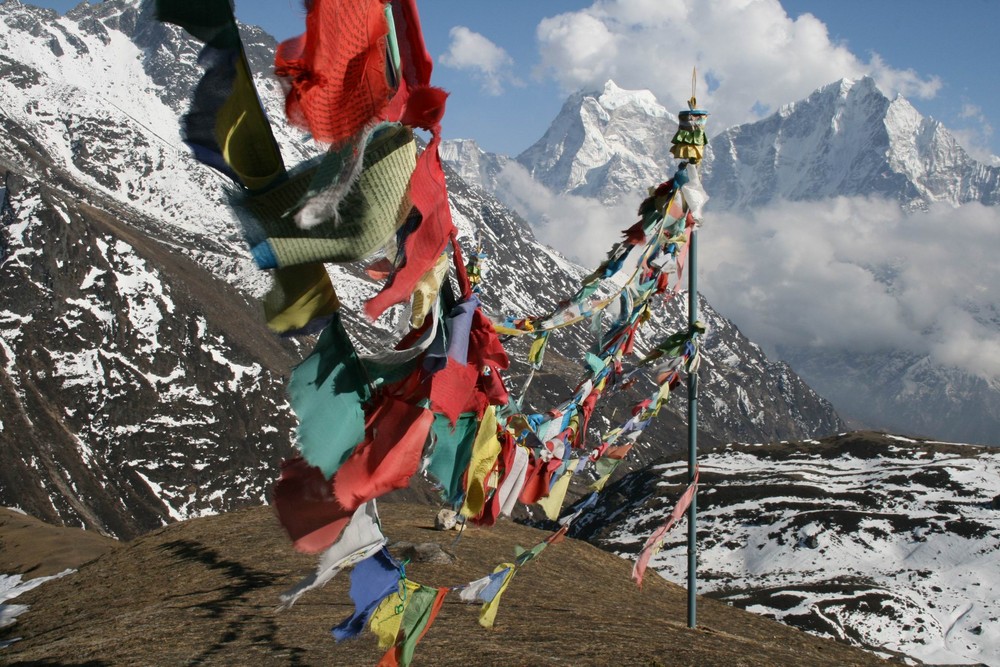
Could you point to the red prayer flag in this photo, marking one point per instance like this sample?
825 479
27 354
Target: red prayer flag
307 508
390 454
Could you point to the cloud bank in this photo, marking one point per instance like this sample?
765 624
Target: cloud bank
581 228
759 58
490 64
861 275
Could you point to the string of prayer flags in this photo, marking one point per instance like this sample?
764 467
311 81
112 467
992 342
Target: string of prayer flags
489 590
655 541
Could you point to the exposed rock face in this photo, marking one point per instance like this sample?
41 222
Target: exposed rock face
137 387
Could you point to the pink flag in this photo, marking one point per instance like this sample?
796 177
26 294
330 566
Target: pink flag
656 539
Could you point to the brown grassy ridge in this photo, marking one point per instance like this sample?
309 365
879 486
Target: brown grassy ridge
205 592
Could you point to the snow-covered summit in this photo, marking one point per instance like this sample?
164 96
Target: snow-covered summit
614 98
847 138
607 145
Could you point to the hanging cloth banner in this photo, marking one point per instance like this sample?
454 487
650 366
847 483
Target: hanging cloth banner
395 434
360 540
372 580
327 392
655 541
226 126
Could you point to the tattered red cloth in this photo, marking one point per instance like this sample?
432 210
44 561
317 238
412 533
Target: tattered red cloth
586 410
307 508
422 247
335 73
538 480
453 390
417 104
395 434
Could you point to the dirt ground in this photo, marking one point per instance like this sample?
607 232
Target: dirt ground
204 592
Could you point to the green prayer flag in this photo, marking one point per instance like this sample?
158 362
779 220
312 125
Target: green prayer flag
327 392
418 615
452 452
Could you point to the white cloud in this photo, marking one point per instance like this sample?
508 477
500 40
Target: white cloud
755 55
486 61
581 228
976 137
861 275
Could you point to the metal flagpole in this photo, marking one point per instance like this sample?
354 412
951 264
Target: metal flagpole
692 433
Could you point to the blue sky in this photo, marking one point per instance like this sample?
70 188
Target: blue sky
510 64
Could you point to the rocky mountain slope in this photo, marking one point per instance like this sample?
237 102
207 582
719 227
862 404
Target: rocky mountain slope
138 384
204 592
847 139
883 541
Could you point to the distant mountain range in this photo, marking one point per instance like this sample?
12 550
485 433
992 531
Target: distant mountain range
137 382
845 140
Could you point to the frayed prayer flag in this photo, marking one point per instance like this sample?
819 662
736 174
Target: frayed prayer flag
421 609
552 503
485 450
335 73
360 540
451 452
307 508
226 127
327 392
655 541
371 581
301 300
395 434
488 614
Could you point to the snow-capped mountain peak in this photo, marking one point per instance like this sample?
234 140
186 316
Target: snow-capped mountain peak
614 98
607 145
846 139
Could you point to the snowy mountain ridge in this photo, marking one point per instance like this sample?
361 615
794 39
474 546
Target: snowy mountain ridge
846 139
886 542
